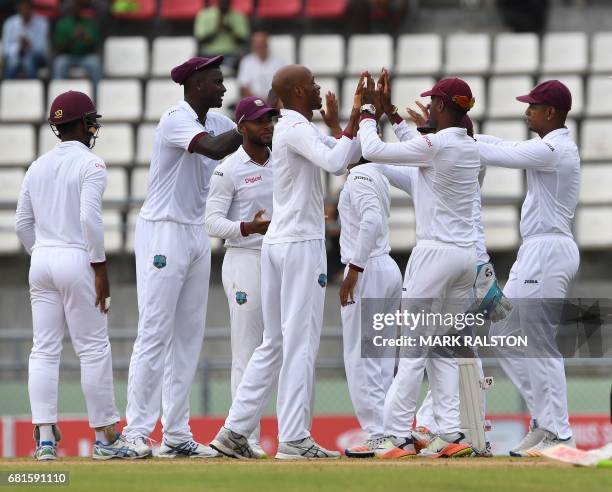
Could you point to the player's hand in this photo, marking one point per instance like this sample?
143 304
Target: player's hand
419 119
383 88
330 114
368 94
357 97
490 299
102 287
258 225
347 288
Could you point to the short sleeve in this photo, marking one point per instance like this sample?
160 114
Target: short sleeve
180 130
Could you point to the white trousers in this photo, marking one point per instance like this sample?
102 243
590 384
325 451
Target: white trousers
293 280
62 292
369 378
544 268
172 275
444 273
241 275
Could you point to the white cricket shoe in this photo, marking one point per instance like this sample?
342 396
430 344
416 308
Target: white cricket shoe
392 447
304 449
422 436
121 448
549 441
365 450
232 444
258 452
533 437
187 449
451 445
45 451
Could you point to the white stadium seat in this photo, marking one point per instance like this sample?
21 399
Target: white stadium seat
282 46
232 93
8 239
113 231
418 54
515 53
402 232
564 52
575 85
407 90
369 52
335 184
501 182
593 227
22 100
130 229
120 100
501 227
160 94
144 142
468 53
596 183
312 47
477 85
116 144
116 185
59 86
10 185
18 144
327 84
599 96
46 139
349 84
140 182
513 130
126 56
595 141
503 91
601 47
167 50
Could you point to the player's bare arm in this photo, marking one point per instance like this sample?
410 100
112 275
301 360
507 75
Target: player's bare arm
218 146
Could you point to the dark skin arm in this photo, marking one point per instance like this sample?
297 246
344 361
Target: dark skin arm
257 225
347 288
219 146
102 286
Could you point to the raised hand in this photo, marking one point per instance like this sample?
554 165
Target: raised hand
368 94
419 119
330 114
383 87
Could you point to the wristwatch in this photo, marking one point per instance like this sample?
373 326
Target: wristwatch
368 108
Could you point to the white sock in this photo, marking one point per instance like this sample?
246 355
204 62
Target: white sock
46 433
101 437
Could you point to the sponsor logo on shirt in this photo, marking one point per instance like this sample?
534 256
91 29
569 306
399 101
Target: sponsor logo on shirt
100 165
364 178
218 173
552 149
429 143
252 179
531 281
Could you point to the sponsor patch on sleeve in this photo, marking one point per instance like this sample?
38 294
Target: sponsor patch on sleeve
428 140
552 149
218 173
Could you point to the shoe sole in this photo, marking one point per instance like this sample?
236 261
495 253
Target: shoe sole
51 458
166 456
225 451
112 456
397 453
452 451
295 457
359 454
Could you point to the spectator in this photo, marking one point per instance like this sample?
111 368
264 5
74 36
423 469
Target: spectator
24 42
77 42
222 31
258 68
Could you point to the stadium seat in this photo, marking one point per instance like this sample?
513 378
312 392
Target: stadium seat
418 54
327 84
325 9
168 50
468 53
501 227
516 53
232 94
18 144
147 9
575 85
564 52
59 86
369 52
120 100
126 56
278 9
116 185
160 94
513 130
502 95
9 243
596 183
10 185
595 141
282 46
244 6
46 139
113 231
116 144
22 100
601 47
407 90
502 183
477 85
144 142
180 9
140 183
593 227
599 96
311 47
349 84
402 232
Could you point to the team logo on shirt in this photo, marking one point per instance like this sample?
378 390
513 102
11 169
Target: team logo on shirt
210 132
322 280
241 298
159 261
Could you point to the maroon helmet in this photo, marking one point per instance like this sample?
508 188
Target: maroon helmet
72 106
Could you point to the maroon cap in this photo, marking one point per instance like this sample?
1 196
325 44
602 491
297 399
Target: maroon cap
454 90
71 106
552 93
252 107
182 72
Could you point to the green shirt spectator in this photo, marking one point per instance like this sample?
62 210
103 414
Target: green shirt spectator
76 36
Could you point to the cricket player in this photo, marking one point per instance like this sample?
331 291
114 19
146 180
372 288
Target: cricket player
173 260
59 222
293 276
442 265
370 273
547 260
240 196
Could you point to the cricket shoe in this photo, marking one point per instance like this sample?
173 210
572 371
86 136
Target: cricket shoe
232 444
121 448
451 445
395 447
365 450
304 449
533 437
187 449
422 436
549 441
258 452
45 451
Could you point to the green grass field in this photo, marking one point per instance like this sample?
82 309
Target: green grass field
491 475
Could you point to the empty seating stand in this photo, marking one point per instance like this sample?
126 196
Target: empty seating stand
325 9
279 9
180 9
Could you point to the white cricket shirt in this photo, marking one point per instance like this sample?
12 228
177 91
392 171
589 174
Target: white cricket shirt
60 203
239 188
178 178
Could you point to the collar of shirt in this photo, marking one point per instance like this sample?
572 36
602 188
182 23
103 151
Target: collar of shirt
72 143
556 133
246 158
290 113
453 129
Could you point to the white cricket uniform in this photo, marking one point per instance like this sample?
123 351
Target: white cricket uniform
442 265
172 274
547 261
293 279
239 188
363 208
59 222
